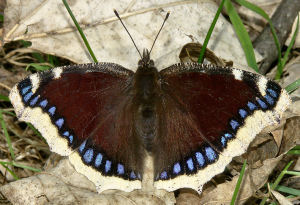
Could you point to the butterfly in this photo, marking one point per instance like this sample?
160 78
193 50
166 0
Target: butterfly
190 119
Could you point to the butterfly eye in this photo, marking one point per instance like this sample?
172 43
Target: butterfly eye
151 63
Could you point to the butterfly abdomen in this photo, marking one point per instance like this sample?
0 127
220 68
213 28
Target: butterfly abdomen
147 91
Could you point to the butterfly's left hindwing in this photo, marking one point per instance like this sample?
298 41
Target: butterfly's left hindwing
82 112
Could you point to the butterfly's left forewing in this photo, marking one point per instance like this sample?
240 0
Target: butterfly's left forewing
85 112
208 116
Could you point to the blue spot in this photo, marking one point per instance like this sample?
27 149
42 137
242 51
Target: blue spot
120 169
52 110
88 155
66 133
107 166
228 136
190 164
269 99
82 146
262 104
164 175
25 90
251 106
34 100
71 139
176 168
223 141
200 159
59 122
44 103
132 175
98 160
139 176
27 96
234 124
210 153
243 113
272 92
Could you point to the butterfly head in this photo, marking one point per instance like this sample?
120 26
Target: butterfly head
146 62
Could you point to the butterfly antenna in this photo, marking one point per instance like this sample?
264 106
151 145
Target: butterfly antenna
116 13
167 16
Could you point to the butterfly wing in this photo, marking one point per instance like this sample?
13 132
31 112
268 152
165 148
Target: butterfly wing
85 112
209 116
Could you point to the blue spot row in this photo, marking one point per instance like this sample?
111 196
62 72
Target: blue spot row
88 155
164 175
200 159
52 110
26 89
34 100
272 92
107 166
120 169
176 168
43 103
191 166
269 99
243 113
70 137
234 124
82 146
59 122
261 103
132 175
210 154
27 96
98 160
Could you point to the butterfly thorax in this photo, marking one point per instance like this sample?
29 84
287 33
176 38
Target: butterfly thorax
147 92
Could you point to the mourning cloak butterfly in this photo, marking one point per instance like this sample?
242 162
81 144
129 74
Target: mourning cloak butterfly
191 118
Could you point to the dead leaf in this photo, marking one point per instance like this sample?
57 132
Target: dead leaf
280 198
50 29
191 52
63 185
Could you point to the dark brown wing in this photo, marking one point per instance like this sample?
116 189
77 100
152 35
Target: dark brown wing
86 108
209 115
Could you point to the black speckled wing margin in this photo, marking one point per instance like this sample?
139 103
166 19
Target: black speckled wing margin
85 112
209 116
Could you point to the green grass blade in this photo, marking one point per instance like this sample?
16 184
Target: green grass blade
285 57
3 125
38 57
293 86
9 113
210 30
281 175
277 181
81 32
295 150
261 12
39 66
25 44
9 170
35 131
26 167
294 173
288 190
242 35
238 184
4 98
